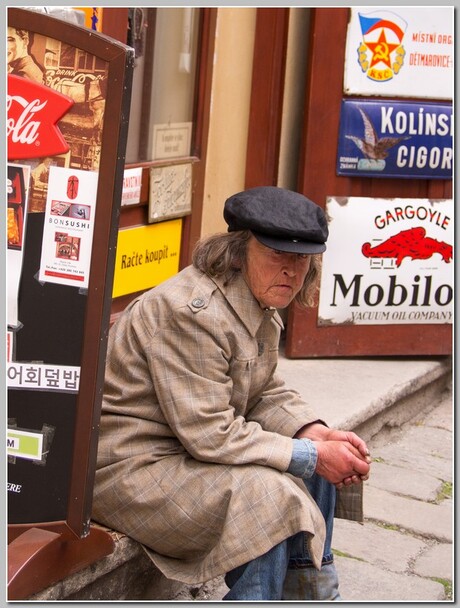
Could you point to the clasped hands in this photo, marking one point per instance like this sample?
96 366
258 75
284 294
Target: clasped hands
343 457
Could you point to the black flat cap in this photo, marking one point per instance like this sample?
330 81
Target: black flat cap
278 218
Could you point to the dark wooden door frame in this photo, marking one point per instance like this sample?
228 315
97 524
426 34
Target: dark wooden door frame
265 116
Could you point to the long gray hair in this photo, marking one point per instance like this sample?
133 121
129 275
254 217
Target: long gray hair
224 255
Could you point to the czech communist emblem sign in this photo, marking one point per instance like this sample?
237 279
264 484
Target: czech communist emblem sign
381 53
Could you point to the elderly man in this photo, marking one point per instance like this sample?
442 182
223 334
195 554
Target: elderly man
205 456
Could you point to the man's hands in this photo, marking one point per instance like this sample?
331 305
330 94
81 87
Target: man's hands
343 457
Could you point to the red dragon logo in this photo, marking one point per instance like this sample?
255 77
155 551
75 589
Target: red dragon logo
412 243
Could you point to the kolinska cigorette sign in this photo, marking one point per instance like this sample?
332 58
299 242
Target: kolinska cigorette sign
388 261
394 139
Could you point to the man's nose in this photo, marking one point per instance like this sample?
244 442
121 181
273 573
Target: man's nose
290 265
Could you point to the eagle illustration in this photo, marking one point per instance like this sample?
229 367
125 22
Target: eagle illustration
370 145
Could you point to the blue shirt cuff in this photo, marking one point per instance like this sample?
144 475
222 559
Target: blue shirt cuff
304 458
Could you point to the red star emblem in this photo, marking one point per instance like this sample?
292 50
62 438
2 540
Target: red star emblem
381 50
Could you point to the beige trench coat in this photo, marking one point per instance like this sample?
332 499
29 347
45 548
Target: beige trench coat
196 431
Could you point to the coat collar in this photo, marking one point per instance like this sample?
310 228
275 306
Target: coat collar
245 305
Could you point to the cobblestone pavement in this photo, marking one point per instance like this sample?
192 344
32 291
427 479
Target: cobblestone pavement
404 549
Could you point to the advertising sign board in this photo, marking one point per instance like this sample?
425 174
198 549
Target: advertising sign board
132 182
64 183
395 139
146 256
388 261
395 51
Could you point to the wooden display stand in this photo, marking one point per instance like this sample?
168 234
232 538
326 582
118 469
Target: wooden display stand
39 557
59 325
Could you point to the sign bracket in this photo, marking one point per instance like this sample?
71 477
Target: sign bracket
37 558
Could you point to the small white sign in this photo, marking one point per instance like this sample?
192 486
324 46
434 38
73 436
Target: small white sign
132 183
400 51
171 140
24 444
43 377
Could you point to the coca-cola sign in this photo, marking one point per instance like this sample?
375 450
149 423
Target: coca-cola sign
33 111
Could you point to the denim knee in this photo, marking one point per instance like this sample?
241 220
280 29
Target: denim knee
262 578
299 555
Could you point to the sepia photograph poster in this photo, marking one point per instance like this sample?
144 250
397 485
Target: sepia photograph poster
82 79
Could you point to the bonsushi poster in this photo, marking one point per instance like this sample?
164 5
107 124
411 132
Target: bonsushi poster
69 225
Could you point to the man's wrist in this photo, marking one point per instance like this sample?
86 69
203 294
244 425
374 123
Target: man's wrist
313 430
304 458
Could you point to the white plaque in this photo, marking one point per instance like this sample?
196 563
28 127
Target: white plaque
132 183
171 140
170 192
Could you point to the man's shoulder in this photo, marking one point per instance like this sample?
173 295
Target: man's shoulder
187 285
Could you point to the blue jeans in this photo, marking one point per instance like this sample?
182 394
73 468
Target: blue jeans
286 570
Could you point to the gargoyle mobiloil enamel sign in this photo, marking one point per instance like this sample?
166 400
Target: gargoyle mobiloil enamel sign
388 261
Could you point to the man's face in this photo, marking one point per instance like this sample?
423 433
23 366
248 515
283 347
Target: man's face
17 46
274 277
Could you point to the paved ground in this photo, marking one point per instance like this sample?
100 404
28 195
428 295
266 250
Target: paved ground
403 552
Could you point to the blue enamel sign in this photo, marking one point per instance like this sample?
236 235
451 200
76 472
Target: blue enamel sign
394 139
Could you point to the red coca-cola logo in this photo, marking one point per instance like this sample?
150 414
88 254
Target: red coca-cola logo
33 111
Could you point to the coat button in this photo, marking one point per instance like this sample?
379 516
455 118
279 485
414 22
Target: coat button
198 303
